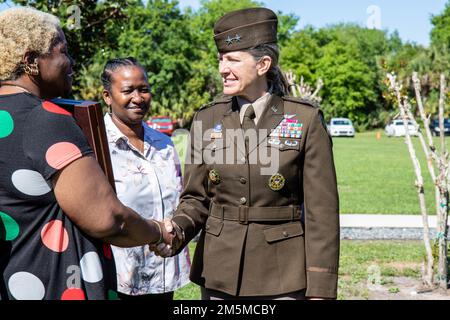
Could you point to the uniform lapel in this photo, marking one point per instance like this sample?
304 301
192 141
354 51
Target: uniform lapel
272 116
232 121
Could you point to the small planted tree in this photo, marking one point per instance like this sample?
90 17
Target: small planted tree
437 164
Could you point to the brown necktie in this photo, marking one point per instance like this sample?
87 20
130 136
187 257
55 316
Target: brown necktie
249 115
248 123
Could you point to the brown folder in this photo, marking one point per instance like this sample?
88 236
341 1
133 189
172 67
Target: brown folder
89 116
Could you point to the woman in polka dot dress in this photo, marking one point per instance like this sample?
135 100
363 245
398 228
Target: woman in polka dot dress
57 209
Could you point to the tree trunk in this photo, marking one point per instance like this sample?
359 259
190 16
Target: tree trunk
428 272
443 186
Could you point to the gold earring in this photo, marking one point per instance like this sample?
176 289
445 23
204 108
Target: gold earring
32 69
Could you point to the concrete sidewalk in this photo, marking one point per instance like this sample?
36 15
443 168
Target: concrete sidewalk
384 227
384 221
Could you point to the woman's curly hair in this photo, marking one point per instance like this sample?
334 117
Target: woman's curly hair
24 29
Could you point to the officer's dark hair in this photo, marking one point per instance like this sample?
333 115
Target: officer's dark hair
114 64
275 76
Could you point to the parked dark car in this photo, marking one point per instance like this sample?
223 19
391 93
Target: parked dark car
434 127
163 124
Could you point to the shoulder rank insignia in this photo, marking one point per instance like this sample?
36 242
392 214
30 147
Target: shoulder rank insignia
307 102
219 100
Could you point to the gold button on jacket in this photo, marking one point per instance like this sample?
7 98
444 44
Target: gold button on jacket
277 241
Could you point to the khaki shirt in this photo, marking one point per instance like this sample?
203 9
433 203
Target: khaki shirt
259 106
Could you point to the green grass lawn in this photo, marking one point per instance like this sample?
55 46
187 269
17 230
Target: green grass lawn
190 291
377 176
358 259
374 176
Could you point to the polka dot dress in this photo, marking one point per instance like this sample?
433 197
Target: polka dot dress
43 255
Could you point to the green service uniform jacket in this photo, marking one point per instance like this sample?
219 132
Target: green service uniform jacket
262 234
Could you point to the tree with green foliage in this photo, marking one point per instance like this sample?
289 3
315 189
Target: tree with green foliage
440 34
159 37
429 62
158 34
301 53
346 57
89 25
349 83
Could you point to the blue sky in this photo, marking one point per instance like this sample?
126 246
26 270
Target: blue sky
410 17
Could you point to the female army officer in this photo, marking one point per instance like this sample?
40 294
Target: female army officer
264 236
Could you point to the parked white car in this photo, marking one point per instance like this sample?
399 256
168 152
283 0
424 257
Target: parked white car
396 128
341 127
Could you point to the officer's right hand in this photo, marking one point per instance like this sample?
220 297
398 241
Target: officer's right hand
169 249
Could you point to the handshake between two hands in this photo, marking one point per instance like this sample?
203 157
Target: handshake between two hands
172 238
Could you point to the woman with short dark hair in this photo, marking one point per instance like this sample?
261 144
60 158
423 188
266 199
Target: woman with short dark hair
147 177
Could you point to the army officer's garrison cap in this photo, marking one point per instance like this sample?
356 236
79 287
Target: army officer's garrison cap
244 29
